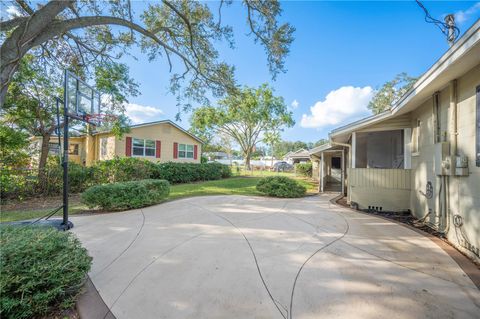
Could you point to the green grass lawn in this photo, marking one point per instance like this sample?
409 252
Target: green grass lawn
228 186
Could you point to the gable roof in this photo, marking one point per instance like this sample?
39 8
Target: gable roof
298 153
162 122
459 59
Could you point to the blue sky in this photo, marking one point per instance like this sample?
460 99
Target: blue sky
341 53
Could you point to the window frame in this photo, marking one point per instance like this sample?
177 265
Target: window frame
53 148
416 138
103 147
186 151
76 149
144 147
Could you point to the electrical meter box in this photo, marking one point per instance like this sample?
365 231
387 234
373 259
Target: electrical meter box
442 159
461 166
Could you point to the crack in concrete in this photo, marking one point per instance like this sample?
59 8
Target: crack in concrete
311 256
126 248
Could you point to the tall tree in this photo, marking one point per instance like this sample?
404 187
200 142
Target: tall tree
245 116
13 147
30 104
183 32
391 92
272 138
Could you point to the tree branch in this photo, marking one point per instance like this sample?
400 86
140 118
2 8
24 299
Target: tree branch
12 23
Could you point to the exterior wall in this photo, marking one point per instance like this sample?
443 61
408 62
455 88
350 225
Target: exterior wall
36 143
167 134
463 191
385 188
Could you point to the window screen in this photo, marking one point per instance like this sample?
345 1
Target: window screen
185 151
143 147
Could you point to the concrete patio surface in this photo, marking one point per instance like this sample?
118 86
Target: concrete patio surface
255 257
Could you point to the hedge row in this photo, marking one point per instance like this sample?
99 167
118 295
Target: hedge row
43 270
126 195
24 184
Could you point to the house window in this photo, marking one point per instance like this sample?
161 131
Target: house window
73 149
185 151
53 148
103 146
478 127
143 147
416 137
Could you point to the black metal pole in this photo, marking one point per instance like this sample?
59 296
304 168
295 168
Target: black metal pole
65 155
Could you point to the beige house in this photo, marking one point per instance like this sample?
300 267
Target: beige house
422 155
160 141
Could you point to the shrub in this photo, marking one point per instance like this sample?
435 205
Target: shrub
126 195
280 186
190 172
122 170
304 169
43 270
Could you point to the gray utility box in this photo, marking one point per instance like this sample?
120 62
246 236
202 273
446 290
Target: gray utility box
461 166
449 165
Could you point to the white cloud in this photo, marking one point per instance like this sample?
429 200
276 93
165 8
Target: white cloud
342 105
13 12
294 104
142 113
462 16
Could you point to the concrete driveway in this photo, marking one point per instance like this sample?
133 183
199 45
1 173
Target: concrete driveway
253 257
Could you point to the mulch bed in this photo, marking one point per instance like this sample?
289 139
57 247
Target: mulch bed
38 203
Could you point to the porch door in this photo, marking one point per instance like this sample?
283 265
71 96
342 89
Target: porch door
336 171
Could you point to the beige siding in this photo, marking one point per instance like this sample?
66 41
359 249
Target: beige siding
385 188
167 134
464 192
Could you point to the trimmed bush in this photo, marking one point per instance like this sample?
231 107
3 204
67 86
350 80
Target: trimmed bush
43 271
304 169
281 186
190 172
123 169
126 195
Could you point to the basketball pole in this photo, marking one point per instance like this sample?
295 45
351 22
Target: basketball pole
65 155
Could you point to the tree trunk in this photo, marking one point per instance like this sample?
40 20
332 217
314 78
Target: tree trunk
271 165
43 161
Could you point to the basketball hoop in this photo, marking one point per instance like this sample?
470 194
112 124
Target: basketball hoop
97 119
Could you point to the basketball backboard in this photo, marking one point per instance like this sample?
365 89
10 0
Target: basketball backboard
82 100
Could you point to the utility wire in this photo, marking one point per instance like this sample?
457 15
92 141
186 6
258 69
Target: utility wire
443 26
